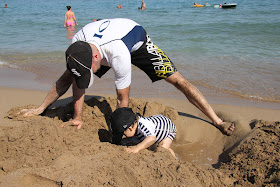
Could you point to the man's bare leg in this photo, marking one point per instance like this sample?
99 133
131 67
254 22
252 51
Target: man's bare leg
198 100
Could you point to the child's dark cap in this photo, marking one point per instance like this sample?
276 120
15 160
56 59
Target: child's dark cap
122 119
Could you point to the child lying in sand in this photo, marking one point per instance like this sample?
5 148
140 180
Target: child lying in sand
154 129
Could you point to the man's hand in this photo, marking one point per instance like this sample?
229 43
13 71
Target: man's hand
74 122
30 112
57 90
132 149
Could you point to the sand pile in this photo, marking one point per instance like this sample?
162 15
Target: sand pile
255 159
38 152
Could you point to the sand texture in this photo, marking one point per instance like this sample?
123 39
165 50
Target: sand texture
36 151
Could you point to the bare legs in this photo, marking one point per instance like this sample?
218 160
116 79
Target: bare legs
198 100
165 143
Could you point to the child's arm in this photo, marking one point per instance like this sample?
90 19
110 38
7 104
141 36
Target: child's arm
147 142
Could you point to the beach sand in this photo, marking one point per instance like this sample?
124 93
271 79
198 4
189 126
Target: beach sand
36 151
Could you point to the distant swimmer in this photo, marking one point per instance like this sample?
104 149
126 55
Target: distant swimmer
6 6
143 5
69 19
119 6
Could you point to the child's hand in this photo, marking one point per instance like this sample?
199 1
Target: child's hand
147 142
132 149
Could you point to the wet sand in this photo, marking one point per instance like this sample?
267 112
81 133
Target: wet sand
141 87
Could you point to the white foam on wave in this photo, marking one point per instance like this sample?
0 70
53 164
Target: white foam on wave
2 63
5 64
255 97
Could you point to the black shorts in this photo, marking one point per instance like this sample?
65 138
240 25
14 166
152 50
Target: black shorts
150 59
153 61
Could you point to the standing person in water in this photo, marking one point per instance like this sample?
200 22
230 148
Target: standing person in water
69 19
143 5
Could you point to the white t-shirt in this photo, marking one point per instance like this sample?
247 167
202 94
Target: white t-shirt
115 39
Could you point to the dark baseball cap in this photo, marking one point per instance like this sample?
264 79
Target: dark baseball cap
122 119
79 62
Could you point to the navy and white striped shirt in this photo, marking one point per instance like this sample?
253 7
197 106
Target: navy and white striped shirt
157 125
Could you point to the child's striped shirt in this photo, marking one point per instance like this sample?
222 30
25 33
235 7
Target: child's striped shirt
157 125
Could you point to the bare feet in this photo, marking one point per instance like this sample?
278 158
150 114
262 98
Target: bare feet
226 127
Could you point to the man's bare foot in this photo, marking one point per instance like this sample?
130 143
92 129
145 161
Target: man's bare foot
226 127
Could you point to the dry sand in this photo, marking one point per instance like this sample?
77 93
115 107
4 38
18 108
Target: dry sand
38 152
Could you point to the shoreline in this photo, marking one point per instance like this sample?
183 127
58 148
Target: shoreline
141 87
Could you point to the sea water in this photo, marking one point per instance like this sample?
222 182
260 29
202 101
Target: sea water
228 51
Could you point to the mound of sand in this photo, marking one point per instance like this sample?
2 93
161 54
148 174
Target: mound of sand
255 159
38 152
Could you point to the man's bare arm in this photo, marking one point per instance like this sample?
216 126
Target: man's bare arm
60 87
123 97
78 99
